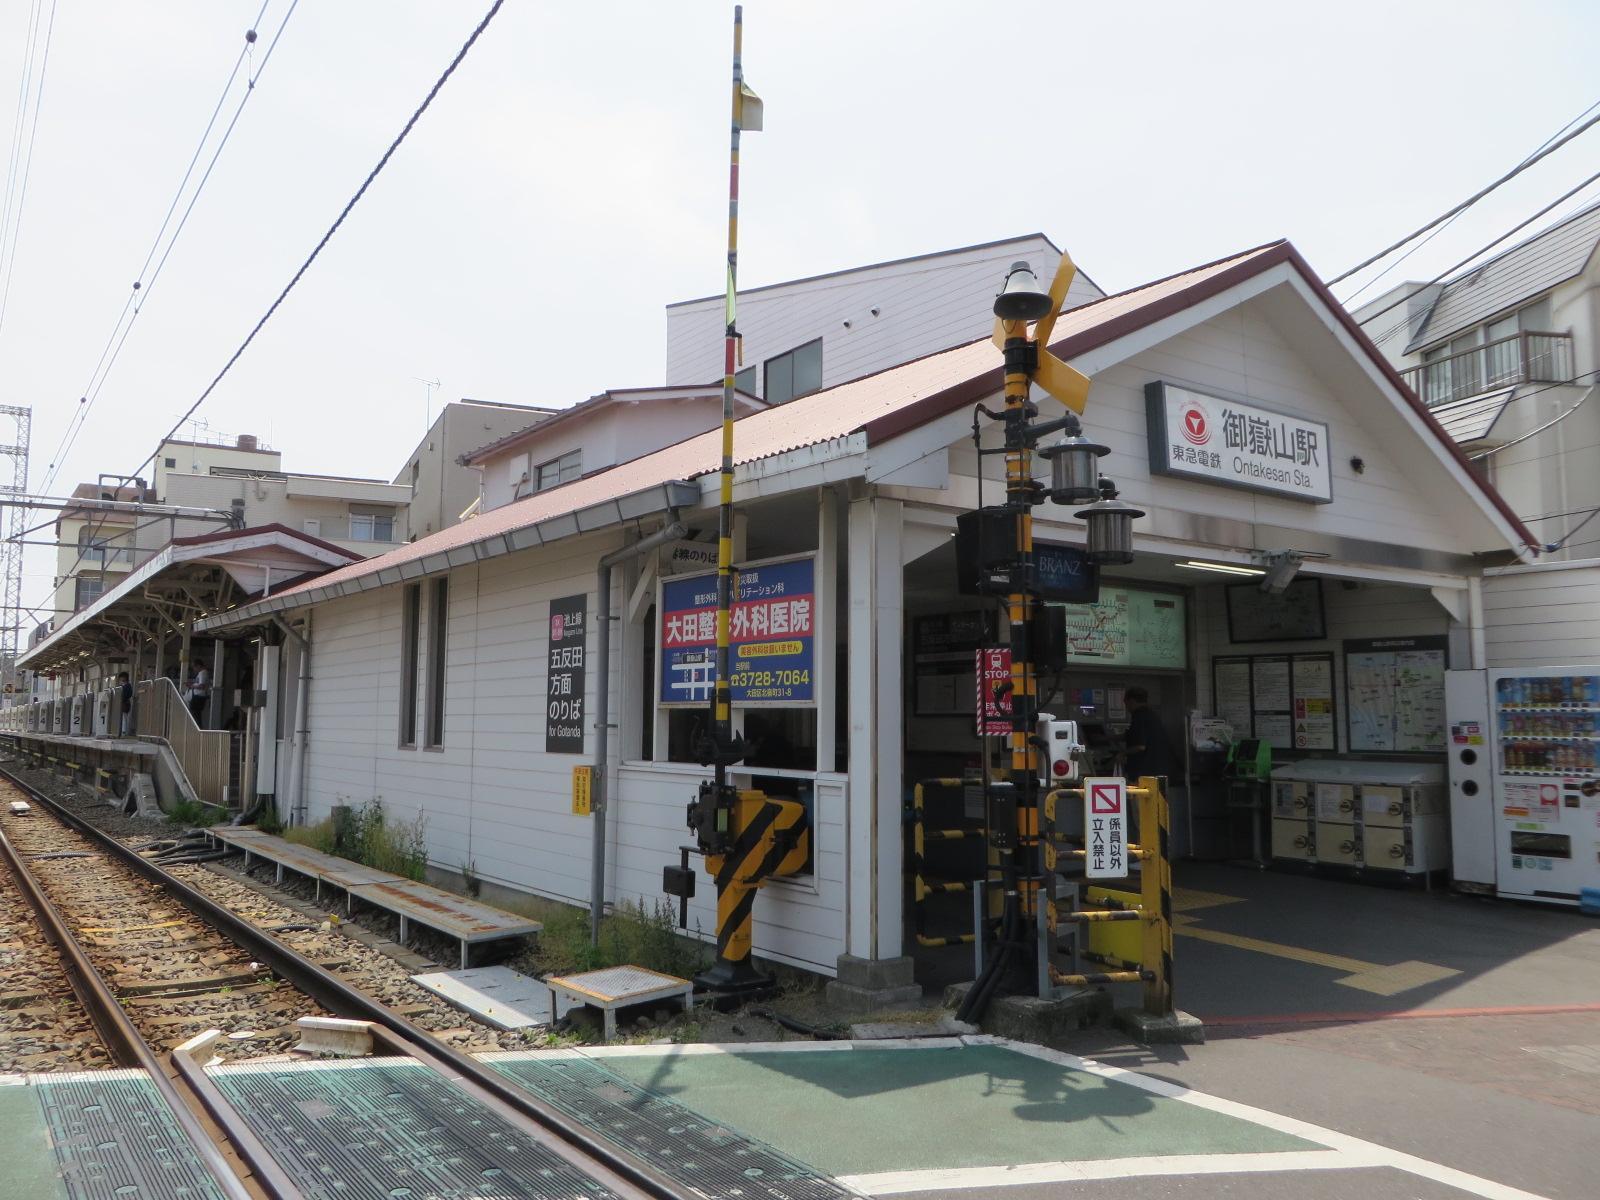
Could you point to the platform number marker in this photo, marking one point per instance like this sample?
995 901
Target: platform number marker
1106 822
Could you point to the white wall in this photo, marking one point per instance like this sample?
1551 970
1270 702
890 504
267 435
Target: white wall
924 304
492 798
267 502
1540 617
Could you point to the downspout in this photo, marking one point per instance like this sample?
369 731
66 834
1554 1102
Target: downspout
598 799
302 725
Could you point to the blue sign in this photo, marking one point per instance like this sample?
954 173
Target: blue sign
1065 573
771 632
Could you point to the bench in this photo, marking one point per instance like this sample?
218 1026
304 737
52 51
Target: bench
466 921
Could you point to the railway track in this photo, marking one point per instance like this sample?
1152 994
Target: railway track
134 915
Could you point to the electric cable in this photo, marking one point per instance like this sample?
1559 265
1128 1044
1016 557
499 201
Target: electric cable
1548 150
332 229
1523 224
1532 433
394 145
27 171
1350 299
19 120
139 294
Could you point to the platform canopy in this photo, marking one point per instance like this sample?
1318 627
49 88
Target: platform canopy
187 579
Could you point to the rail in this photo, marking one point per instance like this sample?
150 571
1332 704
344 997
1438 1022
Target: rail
625 1173
161 715
124 1042
1526 357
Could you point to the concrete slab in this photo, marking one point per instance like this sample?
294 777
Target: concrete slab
501 997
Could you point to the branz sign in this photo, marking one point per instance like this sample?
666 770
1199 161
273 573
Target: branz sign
1196 436
566 667
771 632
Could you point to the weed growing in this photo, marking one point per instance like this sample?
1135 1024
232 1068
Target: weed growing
630 934
366 836
190 813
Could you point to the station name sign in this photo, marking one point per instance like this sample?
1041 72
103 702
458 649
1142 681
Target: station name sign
1209 438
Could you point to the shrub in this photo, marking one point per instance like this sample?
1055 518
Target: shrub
630 934
190 813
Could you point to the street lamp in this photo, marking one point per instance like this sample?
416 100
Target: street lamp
1074 466
1110 523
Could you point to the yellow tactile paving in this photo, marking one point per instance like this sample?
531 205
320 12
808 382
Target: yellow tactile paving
1378 978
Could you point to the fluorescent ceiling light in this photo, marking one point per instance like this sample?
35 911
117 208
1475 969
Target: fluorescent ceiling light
1221 568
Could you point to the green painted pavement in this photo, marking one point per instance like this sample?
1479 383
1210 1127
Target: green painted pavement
860 1111
27 1164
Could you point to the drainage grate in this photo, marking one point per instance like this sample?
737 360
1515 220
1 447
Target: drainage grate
719 1162
114 1139
394 1131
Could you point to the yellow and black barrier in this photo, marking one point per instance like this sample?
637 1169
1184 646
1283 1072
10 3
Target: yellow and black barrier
921 885
1154 909
772 840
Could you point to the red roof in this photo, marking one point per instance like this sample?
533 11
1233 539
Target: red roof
898 399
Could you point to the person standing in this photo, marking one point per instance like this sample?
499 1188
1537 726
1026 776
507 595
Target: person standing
1148 750
200 695
125 693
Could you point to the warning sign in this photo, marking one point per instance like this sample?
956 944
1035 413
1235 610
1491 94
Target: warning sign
1106 826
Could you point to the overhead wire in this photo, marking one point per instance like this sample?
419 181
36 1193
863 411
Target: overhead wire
332 229
361 191
14 216
139 294
1546 152
1350 299
1482 250
19 120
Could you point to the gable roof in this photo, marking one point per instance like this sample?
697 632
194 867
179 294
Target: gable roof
1526 270
606 399
877 408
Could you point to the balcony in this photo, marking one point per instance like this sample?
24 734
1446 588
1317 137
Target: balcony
1525 357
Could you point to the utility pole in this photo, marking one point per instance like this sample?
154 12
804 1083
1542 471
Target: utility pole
13 486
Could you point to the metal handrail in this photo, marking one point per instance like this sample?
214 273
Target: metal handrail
1530 356
162 715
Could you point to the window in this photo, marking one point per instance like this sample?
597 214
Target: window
438 622
371 526
410 607
560 470
796 373
91 549
745 381
89 589
171 463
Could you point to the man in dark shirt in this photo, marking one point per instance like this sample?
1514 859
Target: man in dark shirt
1149 751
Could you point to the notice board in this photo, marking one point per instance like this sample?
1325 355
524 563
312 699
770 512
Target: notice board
1394 694
942 648
772 629
1295 615
1286 700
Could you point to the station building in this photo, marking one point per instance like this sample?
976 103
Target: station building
462 678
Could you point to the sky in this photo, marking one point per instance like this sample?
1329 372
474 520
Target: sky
570 180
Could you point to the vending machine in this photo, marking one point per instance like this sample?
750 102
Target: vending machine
1546 728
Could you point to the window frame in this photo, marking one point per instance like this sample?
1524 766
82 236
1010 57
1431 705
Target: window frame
410 628
433 686
788 357
370 522
567 467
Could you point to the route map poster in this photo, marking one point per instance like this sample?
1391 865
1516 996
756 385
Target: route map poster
1285 700
1127 627
1394 694
772 631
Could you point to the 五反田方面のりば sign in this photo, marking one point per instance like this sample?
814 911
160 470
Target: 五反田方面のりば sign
771 634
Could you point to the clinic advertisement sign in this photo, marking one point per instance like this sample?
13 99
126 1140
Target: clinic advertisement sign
565 669
1215 440
1105 821
772 632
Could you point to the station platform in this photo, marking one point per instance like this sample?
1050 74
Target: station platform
61 741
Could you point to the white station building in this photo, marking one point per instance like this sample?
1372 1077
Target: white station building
462 678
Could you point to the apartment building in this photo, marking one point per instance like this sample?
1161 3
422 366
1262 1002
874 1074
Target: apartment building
1505 355
443 488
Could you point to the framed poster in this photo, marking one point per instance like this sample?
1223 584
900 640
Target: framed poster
1295 615
772 636
1285 700
942 648
1394 694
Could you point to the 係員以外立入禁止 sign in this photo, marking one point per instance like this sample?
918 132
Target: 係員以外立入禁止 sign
1215 440
771 633
1105 824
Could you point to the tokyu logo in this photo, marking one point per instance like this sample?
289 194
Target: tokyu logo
1195 431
